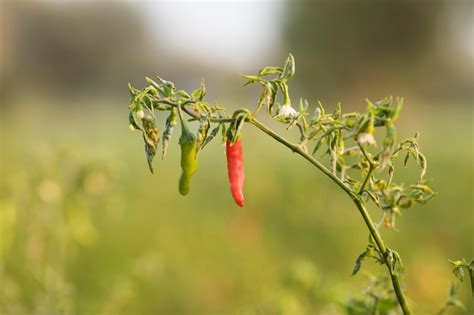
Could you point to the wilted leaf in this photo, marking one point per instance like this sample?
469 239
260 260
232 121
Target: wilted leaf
202 133
151 136
358 262
289 68
211 136
171 122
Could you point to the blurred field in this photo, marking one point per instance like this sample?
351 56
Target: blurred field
85 229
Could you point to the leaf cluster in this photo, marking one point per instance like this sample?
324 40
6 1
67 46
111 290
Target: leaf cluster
360 148
460 265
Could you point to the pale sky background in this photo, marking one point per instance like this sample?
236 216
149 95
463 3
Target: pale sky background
237 33
240 33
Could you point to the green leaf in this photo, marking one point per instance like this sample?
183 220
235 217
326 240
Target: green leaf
323 112
459 273
396 108
155 85
337 111
317 146
303 105
250 79
270 70
203 90
196 94
183 94
289 68
133 91
405 160
199 94
398 258
371 240
166 86
147 102
390 137
152 83
316 116
423 165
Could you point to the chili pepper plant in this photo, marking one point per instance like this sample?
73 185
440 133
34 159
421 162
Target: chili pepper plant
357 151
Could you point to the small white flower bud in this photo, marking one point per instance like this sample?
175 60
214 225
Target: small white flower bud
366 138
140 114
131 127
286 111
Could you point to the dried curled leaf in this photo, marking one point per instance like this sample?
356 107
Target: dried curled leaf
358 262
151 137
171 122
211 136
202 133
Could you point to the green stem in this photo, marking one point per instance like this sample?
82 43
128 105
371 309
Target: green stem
375 307
471 276
366 179
355 197
372 166
358 202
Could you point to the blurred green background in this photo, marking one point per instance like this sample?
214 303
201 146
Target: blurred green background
84 227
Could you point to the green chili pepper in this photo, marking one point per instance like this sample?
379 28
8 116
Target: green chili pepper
188 144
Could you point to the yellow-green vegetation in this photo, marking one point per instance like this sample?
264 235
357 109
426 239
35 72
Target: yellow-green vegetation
86 229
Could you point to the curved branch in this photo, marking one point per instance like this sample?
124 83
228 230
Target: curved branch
354 196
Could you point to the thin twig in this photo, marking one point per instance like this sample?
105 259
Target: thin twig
372 166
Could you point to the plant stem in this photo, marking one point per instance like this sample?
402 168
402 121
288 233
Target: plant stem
376 303
372 166
366 179
355 197
471 276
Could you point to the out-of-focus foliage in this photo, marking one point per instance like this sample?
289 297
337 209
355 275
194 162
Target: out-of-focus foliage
363 47
88 228
377 298
53 48
85 229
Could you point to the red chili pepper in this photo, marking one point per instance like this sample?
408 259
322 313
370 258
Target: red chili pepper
235 170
